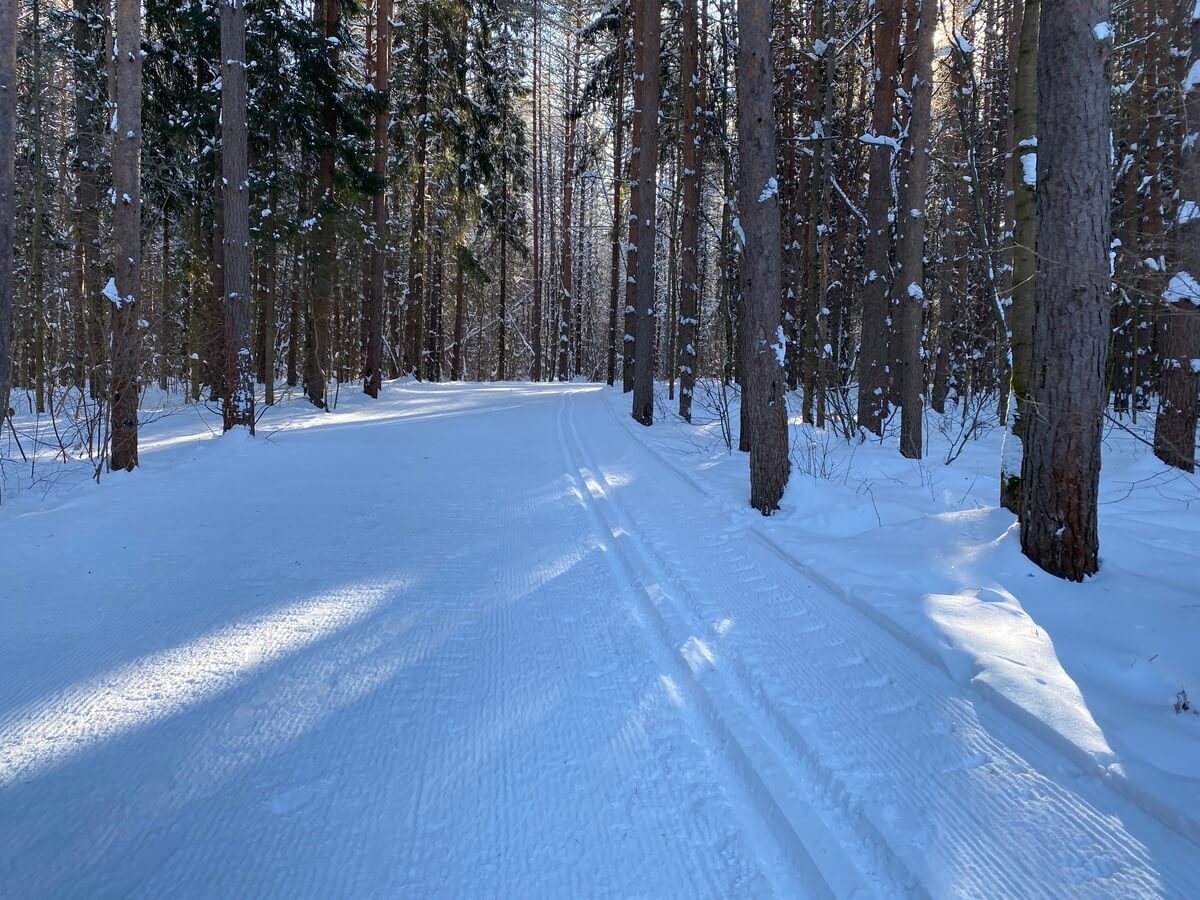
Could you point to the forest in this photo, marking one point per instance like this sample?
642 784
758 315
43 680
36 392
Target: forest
846 209
751 351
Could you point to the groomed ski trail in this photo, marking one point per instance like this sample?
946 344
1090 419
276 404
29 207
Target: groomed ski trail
887 748
484 641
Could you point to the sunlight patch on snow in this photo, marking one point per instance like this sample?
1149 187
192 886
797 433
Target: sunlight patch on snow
672 689
988 639
697 654
166 683
192 437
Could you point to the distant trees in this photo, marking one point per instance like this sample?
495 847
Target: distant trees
1061 473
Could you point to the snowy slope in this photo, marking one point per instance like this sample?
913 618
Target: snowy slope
480 641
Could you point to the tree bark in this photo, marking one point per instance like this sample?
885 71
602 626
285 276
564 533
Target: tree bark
1175 427
238 400
127 235
324 244
629 339
614 299
373 366
763 342
910 279
649 34
8 200
1061 471
873 377
1020 313
692 156
566 287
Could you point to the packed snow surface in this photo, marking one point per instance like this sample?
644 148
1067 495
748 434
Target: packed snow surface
477 641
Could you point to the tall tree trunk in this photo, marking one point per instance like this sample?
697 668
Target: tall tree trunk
566 288
692 155
502 348
535 372
459 350
238 406
873 377
763 342
911 254
127 235
614 299
373 367
214 329
1061 472
8 199
87 279
649 36
1020 313
629 339
324 244
1175 427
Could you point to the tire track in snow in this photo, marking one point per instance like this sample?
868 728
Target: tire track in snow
929 802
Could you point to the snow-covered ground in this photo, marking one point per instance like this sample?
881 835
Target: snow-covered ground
499 640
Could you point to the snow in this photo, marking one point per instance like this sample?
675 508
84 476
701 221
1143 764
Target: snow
1029 168
509 643
881 141
1182 287
1192 78
114 296
770 189
1103 31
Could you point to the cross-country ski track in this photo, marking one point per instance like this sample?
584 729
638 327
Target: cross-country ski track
484 641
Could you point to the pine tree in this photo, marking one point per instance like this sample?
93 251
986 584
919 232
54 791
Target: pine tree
238 397
1061 473
1175 427
648 38
8 209
125 289
764 384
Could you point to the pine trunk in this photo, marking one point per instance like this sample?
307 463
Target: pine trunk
1020 313
238 406
373 364
649 32
873 377
692 156
1175 427
910 277
127 236
1061 471
8 200
762 341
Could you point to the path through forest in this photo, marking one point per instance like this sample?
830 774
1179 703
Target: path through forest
480 641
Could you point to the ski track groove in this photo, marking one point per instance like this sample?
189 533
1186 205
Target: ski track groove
1103 856
776 810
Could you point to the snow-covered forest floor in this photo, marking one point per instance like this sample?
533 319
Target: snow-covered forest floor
499 640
